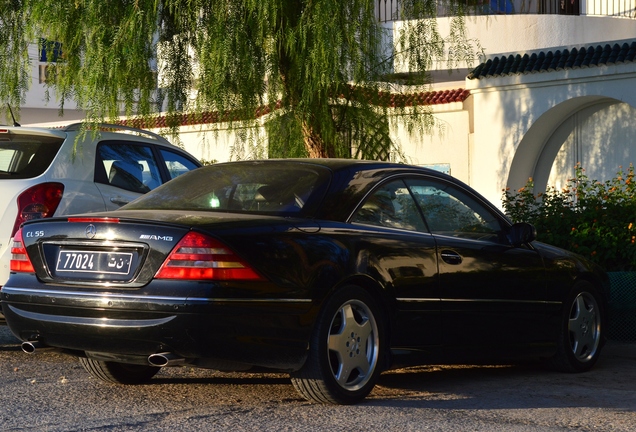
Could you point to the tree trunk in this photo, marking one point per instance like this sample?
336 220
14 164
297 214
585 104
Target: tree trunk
315 144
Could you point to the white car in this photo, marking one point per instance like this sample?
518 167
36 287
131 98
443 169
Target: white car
48 172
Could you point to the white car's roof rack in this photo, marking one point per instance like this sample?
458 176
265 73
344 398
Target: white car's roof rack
107 126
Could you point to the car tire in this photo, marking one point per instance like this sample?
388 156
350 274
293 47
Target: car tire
582 330
345 352
118 373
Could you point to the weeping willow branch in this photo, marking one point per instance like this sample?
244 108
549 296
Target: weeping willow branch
296 57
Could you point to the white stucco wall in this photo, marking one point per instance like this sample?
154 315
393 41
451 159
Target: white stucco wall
500 34
447 145
218 143
514 34
516 116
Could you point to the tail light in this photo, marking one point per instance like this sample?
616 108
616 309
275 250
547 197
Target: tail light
200 257
92 219
20 261
37 202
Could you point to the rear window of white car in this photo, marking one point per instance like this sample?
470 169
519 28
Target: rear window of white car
26 156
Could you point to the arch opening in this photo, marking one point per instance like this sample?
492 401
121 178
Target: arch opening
596 131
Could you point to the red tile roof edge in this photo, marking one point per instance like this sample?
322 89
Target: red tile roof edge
384 98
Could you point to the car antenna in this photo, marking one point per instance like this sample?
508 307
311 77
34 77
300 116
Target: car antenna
15 123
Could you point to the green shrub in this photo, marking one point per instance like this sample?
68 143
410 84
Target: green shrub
595 219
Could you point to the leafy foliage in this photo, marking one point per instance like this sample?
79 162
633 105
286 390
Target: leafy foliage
294 59
14 67
595 219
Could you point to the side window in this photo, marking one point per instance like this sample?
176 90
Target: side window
127 166
451 211
177 164
391 206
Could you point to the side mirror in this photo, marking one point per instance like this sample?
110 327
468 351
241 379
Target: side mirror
522 233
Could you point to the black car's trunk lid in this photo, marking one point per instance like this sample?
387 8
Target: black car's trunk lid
123 249
98 250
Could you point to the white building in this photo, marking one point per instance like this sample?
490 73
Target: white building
505 122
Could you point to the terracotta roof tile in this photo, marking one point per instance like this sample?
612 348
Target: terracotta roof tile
383 98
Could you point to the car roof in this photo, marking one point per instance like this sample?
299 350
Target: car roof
106 130
335 164
350 166
26 130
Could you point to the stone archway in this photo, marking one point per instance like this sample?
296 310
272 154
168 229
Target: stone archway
597 131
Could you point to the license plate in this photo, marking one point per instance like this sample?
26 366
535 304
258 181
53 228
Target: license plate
94 262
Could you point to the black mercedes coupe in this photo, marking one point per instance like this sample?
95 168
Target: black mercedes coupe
329 270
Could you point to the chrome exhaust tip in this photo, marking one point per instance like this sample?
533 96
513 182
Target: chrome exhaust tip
165 359
30 347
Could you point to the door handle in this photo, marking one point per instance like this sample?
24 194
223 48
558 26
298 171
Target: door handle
451 257
119 200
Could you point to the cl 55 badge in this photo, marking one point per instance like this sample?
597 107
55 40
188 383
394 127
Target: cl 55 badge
34 234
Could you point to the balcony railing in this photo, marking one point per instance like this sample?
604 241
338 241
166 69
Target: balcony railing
387 10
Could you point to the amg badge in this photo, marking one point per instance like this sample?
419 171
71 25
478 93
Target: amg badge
155 237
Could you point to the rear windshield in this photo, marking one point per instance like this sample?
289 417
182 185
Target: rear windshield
241 187
26 156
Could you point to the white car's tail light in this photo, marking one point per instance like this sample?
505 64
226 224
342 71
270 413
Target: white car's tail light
200 257
20 261
37 202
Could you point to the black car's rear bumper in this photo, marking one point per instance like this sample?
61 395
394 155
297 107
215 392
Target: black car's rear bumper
272 333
